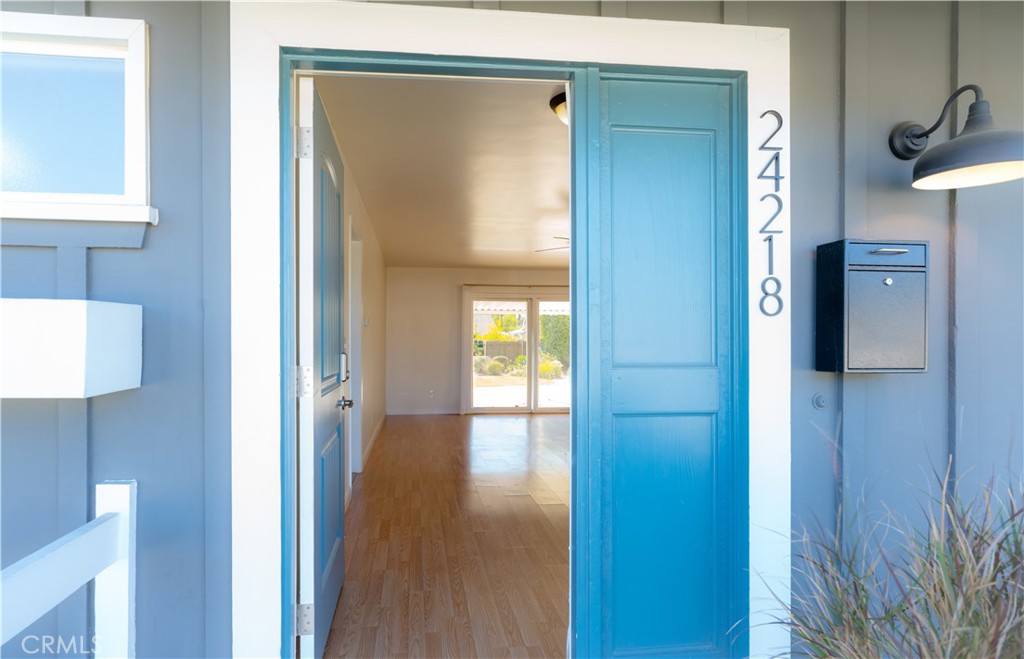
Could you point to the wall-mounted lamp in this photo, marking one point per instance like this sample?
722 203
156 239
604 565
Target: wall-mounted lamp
559 105
981 154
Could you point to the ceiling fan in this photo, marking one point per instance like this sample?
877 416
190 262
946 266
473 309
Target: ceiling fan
552 249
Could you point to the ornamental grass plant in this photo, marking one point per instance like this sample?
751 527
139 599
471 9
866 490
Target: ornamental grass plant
951 587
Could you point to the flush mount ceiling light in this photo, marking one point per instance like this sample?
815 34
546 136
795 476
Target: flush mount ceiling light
980 155
560 106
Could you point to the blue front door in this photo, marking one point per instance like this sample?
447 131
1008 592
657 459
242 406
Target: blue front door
321 468
667 465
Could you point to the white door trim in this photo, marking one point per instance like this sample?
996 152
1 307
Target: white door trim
258 32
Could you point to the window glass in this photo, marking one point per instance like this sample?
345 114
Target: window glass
63 124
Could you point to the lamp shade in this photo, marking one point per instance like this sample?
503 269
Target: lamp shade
559 104
970 159
979 155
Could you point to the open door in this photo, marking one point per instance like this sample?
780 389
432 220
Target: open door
322 370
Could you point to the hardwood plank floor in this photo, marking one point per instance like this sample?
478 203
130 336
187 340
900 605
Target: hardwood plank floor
457 541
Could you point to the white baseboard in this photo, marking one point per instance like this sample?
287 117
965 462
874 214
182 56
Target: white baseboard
420 412
373 438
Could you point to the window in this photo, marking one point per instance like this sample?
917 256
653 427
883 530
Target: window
75 121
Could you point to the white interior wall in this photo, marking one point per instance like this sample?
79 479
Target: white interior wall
374 310
424 331
374 335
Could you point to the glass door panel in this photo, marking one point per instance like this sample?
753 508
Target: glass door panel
554 385
501 372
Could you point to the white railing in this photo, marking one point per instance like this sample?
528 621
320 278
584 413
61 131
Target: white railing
104 550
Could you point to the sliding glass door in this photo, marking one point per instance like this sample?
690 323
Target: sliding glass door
500 363
516 343
554 386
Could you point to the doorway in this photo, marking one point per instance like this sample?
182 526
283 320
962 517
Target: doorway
261 135
669 333
413 191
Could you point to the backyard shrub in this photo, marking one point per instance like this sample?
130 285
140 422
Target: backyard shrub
502 328
480 364
554 337
550 370
517 366
495 367
500 358
953 588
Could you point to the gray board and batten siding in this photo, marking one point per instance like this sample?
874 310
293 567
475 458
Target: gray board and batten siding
857 69
172 435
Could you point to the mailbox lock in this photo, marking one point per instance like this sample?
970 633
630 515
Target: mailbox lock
887 281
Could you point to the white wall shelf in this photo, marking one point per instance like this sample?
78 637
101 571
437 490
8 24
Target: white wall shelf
68 348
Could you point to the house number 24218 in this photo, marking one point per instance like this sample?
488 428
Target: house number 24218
771 302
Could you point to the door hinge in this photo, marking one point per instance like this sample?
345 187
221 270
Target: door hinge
304 620
303 381
303 142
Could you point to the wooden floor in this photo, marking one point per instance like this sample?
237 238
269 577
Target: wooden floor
457 541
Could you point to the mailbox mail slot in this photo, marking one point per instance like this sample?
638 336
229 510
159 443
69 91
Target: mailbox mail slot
872 307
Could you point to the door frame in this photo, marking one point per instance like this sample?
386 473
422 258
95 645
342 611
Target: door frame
266 39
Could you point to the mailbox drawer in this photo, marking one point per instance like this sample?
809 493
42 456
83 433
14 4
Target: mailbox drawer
886 254
886 321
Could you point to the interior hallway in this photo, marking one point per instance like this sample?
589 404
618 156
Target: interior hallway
457 541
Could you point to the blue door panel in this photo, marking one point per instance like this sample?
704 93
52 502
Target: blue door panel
671 575
662 465
331 473
663 233
330 258
645 390
683 104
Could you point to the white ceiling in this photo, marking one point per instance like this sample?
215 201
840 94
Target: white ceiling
456 172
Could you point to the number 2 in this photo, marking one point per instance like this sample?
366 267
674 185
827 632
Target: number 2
778 209
778 118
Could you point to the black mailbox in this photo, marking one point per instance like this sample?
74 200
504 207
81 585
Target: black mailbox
872 307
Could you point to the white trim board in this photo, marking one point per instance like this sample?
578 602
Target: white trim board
259 30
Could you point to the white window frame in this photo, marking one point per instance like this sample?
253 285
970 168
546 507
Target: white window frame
126 39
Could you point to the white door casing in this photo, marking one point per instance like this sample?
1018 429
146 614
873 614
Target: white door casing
260 30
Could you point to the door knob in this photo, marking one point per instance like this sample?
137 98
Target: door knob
346 403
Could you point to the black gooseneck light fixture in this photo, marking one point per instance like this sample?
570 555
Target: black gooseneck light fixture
980 155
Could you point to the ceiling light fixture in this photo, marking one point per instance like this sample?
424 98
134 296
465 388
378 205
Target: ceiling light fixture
559 104
980 155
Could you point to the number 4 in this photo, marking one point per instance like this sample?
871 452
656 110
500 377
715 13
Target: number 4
773 162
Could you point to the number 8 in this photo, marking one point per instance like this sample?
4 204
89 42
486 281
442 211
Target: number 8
774 294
